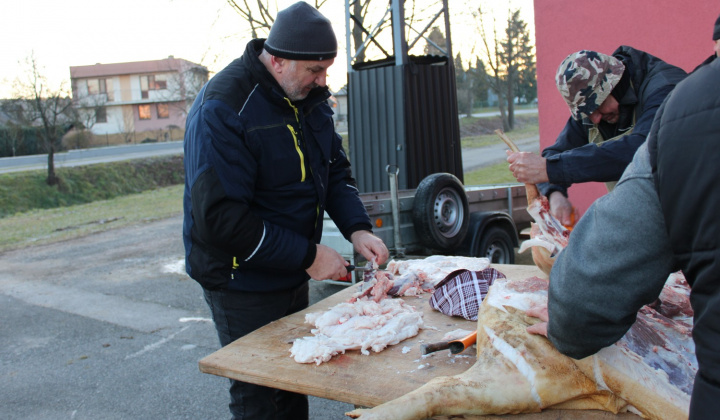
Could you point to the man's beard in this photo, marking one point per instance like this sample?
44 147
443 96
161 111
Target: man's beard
297 93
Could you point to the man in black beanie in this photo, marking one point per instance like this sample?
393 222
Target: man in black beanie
716 48
263 163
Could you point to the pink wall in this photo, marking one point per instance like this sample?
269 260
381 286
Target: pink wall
679 32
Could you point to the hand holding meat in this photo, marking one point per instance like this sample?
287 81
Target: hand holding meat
561 208
370 246
540 312
328 264
527 167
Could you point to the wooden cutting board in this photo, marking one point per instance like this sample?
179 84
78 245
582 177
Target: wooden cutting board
263 358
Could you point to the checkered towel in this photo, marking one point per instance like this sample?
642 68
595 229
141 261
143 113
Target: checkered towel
460 292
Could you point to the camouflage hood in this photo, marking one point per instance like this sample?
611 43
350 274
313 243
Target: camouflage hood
586 78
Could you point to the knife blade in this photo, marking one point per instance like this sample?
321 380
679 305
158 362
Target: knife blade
351 267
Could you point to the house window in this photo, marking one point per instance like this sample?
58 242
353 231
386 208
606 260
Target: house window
99 86
144 112
100 114
152 82
163 110
104 90
93 86
160 81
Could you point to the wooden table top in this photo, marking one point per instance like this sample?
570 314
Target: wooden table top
263 357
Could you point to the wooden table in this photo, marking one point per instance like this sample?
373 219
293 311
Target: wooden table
263 357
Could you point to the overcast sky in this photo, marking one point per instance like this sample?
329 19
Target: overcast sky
68 33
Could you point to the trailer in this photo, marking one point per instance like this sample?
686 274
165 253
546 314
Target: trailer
404 142
440 216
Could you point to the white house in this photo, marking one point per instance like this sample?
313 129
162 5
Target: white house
148 97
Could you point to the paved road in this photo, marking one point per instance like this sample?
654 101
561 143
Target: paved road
472 158
90 156
105 327
483 156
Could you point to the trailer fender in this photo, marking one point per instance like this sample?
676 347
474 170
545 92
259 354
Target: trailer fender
441 212
493 235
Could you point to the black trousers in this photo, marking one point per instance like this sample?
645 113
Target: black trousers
238 313
705 402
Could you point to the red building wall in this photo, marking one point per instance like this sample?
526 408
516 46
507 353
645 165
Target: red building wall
679 32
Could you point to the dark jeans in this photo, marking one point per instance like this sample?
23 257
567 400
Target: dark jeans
239 313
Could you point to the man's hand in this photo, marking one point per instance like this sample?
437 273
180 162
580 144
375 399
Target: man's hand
538 312
328 264
561 208
370 246
527 167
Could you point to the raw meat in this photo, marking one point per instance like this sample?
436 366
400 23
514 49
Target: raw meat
650 371
362 325
415 277
548 237
369 320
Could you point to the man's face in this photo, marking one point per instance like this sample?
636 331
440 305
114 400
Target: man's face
717 48
608 111
297 78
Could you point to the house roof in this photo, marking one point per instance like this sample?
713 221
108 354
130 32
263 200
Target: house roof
169 64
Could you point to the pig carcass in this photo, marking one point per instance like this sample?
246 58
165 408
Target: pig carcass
650 371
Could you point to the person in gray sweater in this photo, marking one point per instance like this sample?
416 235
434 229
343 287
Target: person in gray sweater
663 216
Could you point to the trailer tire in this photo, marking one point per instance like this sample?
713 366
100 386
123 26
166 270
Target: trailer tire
441 212
497 245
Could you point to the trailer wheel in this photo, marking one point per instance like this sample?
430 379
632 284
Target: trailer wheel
440 212
497 245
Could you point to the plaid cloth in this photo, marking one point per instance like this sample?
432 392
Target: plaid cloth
460 292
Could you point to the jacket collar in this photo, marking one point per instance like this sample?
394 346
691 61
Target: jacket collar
268 82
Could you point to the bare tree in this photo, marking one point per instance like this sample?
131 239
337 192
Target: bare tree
16 126
517 57
511 61
494 61
259 15
49 109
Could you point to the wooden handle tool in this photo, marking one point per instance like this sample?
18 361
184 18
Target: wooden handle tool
530 189
433 347
455 346
458 346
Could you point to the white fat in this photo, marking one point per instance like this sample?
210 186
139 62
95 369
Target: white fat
597 372
537 241
516 359
500 296
433 269
363 325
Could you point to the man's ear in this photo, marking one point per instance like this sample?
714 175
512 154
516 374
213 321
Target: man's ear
278 63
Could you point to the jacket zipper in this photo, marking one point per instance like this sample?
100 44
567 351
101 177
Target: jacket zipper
299 152
302 158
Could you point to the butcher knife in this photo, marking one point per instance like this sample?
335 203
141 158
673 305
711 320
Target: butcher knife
368 271
351 267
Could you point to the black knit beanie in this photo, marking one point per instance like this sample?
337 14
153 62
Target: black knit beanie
716 32
300 32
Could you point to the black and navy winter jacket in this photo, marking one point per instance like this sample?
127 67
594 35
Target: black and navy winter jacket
645 84
260 171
